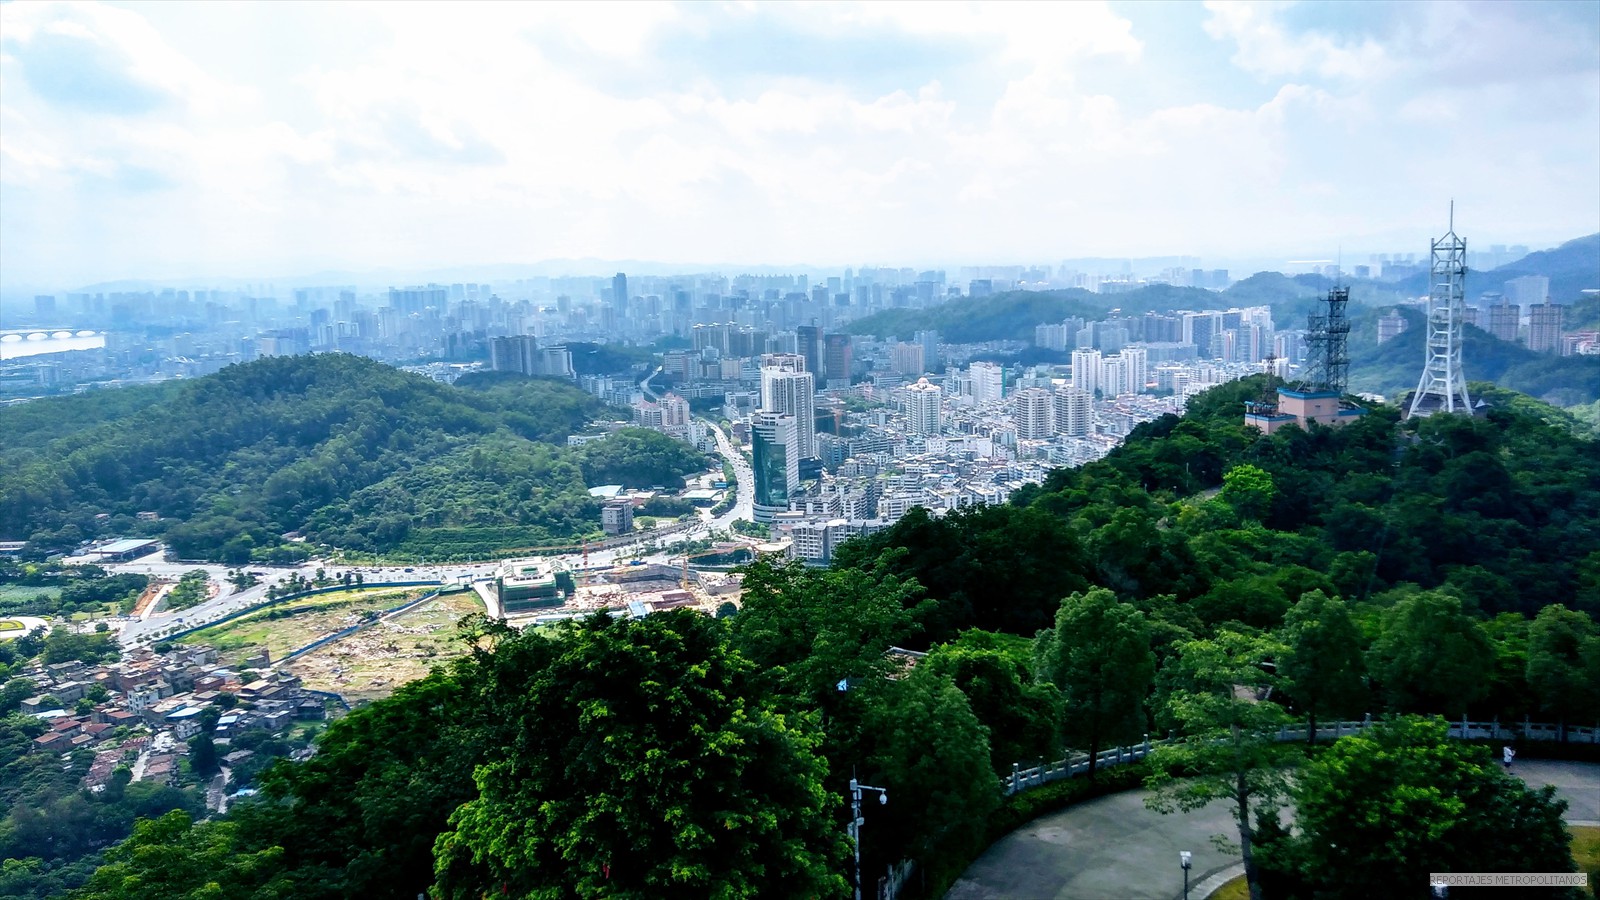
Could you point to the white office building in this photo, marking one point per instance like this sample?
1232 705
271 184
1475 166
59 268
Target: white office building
791 391
988 382
1086 371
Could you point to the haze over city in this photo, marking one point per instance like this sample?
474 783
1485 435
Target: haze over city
171 141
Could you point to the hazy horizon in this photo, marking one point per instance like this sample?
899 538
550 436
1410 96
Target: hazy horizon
256 141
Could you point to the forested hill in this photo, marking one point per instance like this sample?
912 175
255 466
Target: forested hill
1392 367
1572 268
352 452
1503 511
1013 315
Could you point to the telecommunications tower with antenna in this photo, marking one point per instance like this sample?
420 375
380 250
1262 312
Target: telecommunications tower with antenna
1443 386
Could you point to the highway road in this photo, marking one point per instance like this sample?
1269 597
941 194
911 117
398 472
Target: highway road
746 481
228 600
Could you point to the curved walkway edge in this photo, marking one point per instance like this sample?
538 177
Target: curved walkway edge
1112 847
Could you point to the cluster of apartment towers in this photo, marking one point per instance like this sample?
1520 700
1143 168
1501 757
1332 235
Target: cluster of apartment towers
1319 395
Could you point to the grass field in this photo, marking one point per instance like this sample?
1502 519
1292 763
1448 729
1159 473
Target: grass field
1586 851
371 663
14 592
10 625
284 627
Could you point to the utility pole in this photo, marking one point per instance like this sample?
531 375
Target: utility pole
856 820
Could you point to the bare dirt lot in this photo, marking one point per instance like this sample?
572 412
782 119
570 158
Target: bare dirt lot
374 661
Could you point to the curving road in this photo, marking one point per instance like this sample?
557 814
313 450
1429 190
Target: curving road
744 506
1113 847
228 600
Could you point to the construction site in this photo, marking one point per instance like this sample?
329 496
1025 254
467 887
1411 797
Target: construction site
538 591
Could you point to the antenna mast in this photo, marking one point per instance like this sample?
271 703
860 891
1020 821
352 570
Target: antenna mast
1443 385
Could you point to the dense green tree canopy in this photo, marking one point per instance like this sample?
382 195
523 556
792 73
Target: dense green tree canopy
1388 807
1321 664
640 763
1099 657
640 458
349 450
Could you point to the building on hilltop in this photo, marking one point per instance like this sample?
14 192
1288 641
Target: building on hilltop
1319 397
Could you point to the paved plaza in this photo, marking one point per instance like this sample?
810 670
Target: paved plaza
1112 848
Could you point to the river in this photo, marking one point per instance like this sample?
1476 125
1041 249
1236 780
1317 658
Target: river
17 344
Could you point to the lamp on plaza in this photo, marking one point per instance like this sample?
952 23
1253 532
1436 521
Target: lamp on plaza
1185 859
856 820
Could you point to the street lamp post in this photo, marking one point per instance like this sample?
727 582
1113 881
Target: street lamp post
1185 859
856 821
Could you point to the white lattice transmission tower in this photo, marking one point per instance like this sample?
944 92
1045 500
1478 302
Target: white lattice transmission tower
1443 386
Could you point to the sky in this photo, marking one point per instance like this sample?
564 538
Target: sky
167 140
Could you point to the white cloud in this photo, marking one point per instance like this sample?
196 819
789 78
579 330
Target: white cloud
467 133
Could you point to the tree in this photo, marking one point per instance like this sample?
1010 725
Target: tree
1249 490
1099 657
1429 656
1390 806
359 818
170 859
640 763
1321 664
203 754
921 741
1214 691
14 692
1023 717
1564 664
807 629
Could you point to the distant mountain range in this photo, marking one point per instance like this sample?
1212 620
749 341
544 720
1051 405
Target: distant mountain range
1572 268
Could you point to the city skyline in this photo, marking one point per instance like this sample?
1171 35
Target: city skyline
174 142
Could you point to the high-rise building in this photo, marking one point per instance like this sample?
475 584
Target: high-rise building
1074 412
776 463
836 360
808 341
988 382
619 296
1503 318
1137 363
674 411
787 389
907 359
515 353
1527 291
1544 327
522 353
1203 330
930 349
44 306
1113 376
1034 414
1086 370
1052 336
925 407
1390 327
